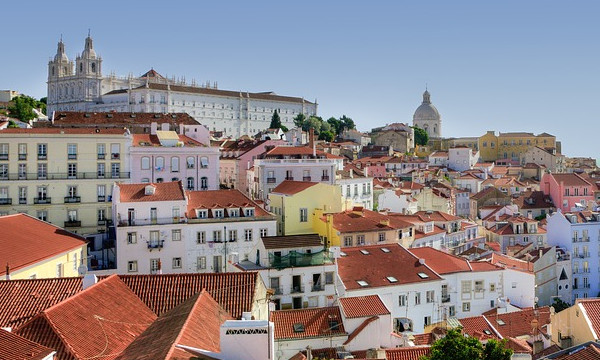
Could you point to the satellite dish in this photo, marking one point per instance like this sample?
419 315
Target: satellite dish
82 270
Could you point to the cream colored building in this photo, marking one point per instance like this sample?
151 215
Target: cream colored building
63 176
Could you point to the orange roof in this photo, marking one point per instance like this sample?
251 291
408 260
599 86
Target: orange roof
509 262
87 325
438 216
25 241
13 346
478 327
298 150
66 131
423 339
402 353
222 199
70 118
519 323
441 262
363 306
589 351
567 179
367 220
289 187
519 346
381 265
592 309
145 140
195 322
307 323
167 191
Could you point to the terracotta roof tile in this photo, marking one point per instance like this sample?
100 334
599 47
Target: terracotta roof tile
518 346
166 191
509 262
423 339
366 220
292 241
379 268
63 131
121 119
315 322
15 347
570 179
147 140
195 322
221 199
589 352
86 325
363 306
289 187
519 323
403 353
478 326
26 240
441 262
592 309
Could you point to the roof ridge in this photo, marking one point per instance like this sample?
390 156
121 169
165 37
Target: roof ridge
198 295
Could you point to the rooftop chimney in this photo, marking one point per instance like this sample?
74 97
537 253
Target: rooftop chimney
153 128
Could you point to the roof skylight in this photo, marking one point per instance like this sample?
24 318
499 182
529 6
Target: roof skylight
392 279
362 283
423 275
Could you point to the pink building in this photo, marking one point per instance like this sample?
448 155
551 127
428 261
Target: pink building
567 190
163 156
237 157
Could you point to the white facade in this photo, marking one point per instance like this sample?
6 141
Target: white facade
462 158
80 86
399 203
357 189
428 118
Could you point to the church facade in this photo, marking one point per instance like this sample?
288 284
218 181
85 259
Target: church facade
80 86
428 118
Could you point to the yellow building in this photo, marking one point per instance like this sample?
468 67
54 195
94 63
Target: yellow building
294 203
577 324
511 146
32 249
63 176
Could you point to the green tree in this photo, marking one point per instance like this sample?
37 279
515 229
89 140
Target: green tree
336 125
299 120
347 122
560 305
12 124
275 121
421 136
326 135
21 107
456 346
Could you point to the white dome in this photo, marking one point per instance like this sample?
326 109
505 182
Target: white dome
426 111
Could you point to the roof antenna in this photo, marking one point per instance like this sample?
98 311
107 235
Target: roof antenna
89 32
60 37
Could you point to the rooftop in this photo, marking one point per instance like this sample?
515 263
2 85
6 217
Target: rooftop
111 119
221 199
290 187
147 140
166 191
292 241
13 346
308 323
363 306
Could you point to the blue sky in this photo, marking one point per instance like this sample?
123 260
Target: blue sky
504 65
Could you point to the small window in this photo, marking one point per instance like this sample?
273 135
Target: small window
177 263
176 234
201 237
423 275
132 266
329 277
364 252
298 327
201 263
466 306
362 283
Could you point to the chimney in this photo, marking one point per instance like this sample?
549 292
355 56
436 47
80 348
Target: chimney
311 141
164 126
181 129
153 128
376 354
7 272
351 173
88 280
422 261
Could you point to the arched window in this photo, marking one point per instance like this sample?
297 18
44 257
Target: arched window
175 164
80 67
53 71
160 163
190 162
93 67
204 162
204 183
145 163
159 180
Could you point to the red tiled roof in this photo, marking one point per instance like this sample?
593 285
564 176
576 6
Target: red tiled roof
289 187
61 131
292 241
77 118
367 220
375 267
589 352
20 300
195 322
235 292
567 179
509 262
88 326
478 327
146 140
519 323
297 150
518 346
15 347
441 262
403 353
166 191
423 339
363 306
25 241
221 199
592 309
316 323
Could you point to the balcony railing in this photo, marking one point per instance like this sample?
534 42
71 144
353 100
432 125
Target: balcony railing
291 178
155 244
72 156
22 156
278 290
3 156
6 201
271 180
297 289
297 259
72 199
101 198
101 222
42 156
101 156
151 221
306 178
445 298
73 223
22 201
63 176
44 200
325 178
115 156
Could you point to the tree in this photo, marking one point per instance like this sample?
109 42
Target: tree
275 121
336 125
456 346
21 107
347 122
559 305
421 136
326 135
299 120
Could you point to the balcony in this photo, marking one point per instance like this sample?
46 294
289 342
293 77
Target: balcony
72 223
101 222
306 178
115 156
297 259
101 198
297 289
72 199
101 156
6 201
445 298
277 290
3 156
151 221
22 201
324 178
62 176
72 156
271 180
155 244
291 178
22 156
42 200
42 156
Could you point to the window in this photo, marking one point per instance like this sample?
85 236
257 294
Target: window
189 162
101 215
348 194
22 171
263 232
154 265
233 235
417 298
176 263
42 171
42 151
101 170
465 287
72 171
201 237
249 212
204 162
22 151
479 287
201 263
204 183
131 238
176 235
101 150
427 320
72 215
514 285
132 266
492 287
4 194
248 235
159 163
217 236
303 215
115 151
22 195
42 192
115 170
466 306
71 151
430 295
42 215
402 300
347 241
175 164
145 163
329 277
218 213
101 193
360 240
381 236
451 310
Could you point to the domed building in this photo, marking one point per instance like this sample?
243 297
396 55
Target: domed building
428 118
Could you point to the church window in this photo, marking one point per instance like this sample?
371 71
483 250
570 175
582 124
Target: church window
53 71
93 67
81 67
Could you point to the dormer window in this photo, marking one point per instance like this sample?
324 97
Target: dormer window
235 212
218 213
248 212
149 190
201 213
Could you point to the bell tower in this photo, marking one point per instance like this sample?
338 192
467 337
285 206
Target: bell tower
88 71
60 70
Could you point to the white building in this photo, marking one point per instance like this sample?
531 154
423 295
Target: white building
428 118
397 201
162 228
356 188
462 158
579 234
81 86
